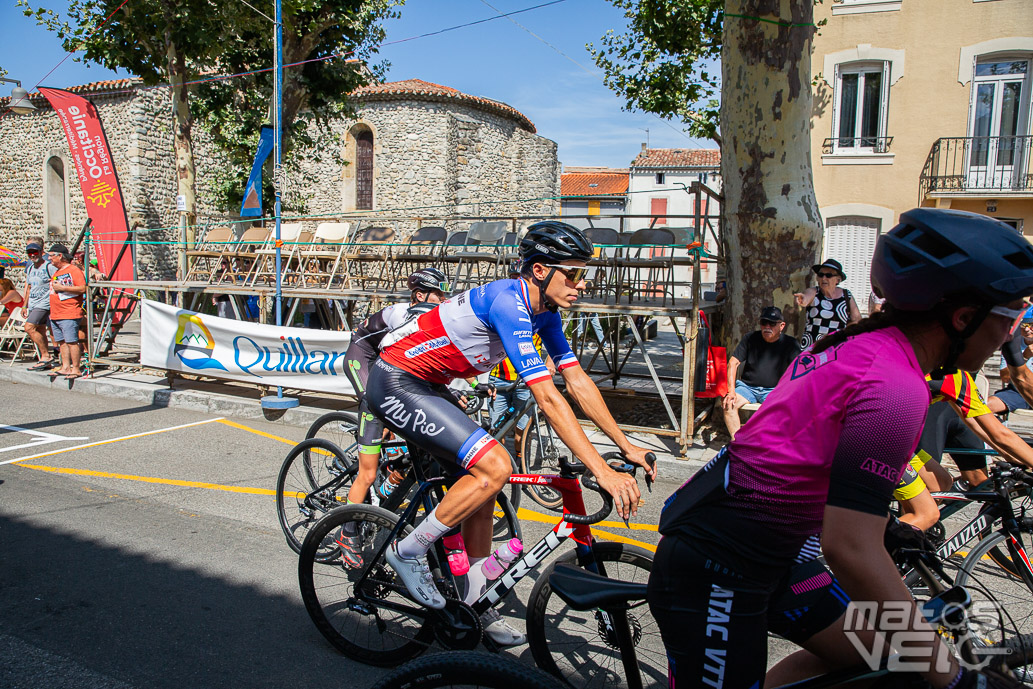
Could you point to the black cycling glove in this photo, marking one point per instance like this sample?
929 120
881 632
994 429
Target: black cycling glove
902 536
1013 348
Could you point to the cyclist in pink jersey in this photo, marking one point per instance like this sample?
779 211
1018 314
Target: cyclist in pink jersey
465 336
817 465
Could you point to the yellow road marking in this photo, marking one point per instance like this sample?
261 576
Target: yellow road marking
152 479
623 539
234 424
108 442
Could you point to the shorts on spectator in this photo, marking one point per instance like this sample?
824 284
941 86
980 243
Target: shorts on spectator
38 316
511 398
1011 398
65 330
753 395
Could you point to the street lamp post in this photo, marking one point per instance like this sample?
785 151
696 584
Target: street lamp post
278 401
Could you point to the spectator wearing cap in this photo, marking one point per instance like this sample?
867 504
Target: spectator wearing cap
763 355
67 293
1010 398
38 274
829 307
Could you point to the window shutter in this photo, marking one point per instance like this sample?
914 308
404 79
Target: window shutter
850 239
884 105
837 91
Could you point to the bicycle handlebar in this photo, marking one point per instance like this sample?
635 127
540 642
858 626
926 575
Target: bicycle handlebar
589 481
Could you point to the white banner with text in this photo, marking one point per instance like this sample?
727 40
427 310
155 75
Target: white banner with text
300 358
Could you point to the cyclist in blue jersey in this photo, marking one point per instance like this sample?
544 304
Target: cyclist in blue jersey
465 336
816 467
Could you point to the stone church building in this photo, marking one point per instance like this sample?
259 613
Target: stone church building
414 150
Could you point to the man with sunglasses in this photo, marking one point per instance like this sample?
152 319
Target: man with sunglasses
466 336
38 274
764 355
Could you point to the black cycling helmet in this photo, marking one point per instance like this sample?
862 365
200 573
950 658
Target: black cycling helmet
554 241
935 253
428 280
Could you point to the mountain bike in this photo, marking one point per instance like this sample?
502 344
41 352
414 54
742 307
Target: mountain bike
367 613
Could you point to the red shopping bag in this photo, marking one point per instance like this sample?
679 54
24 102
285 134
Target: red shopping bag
711 364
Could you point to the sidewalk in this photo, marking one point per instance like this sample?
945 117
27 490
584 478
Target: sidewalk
242 402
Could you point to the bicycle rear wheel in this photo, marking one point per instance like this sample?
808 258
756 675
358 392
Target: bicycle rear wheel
471 669
315 478
1002 606
540 451
339 427
359 624
575 645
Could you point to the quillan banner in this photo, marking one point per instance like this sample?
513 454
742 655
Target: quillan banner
95 169
299 358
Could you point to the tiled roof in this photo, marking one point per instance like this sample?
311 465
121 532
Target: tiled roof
394 90
678 157
594 183
397 90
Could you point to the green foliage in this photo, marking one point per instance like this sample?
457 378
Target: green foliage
667 61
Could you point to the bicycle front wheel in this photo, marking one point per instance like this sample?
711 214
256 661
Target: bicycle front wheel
339 427
360 623
576 646
315 478
540 451
1001 606
467 669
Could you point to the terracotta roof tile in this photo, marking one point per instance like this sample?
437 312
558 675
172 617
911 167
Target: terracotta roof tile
593 184
396 90
678 157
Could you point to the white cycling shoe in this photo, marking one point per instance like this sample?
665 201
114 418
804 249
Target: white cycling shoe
415 574
499 630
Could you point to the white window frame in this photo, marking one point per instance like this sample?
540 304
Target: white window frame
864 6
859 68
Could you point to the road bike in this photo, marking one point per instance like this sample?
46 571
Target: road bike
467 669
367 614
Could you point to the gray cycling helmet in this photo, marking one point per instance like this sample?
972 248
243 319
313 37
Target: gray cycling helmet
428 280
935 253
552 241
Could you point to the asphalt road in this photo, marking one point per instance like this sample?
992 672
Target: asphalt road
140 548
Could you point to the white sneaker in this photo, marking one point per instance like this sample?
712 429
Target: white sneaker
415 574
499 630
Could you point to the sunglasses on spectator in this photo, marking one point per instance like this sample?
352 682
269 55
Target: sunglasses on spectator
572 273
32 252
771 323
828 275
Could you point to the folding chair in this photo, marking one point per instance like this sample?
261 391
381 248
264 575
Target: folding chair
422 251
648 250
448 260
320 259
239 258
373 255
13 336
204 261
608 245
293 238
482 247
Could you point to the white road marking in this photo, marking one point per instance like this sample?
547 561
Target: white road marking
42 438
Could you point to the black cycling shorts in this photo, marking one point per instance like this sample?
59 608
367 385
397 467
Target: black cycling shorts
426 415
357 364
714 621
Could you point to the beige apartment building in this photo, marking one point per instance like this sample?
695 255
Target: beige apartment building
919 103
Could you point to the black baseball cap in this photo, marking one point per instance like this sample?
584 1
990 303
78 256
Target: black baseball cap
772 314
60 249
33 246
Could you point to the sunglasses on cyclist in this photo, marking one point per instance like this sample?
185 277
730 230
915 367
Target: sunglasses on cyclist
572 273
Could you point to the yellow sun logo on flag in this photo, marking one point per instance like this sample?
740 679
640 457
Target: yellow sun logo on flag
101 194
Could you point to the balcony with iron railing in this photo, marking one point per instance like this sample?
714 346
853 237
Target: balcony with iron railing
978 165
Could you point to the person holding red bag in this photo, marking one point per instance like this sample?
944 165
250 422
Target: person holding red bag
764 355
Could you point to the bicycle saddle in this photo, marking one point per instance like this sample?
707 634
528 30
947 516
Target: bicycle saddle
584 590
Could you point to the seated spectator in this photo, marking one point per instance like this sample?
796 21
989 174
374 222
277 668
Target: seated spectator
10 299
829 307
1008 398
764 355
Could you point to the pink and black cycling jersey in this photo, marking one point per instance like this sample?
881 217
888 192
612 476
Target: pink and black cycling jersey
838 429
471 332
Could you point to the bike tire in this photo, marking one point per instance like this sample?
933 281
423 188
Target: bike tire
540 449
314 478
339 427
382 637
1000 611
471 669
569 644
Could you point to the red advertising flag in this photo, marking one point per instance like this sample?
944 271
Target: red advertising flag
95 168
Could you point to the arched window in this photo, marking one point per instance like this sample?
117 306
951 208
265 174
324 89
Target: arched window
364 170
56 191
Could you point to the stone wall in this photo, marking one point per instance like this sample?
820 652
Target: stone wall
431 160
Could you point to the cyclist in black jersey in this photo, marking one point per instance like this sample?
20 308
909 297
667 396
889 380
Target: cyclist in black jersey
817 465
427 286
